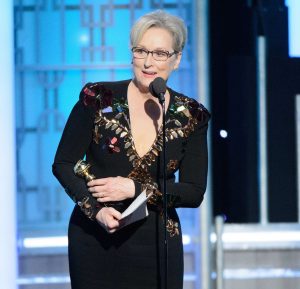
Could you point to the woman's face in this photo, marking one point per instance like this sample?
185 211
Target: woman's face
147 69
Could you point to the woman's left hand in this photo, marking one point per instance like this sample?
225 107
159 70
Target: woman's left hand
112 189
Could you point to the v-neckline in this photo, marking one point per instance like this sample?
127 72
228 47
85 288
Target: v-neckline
159 131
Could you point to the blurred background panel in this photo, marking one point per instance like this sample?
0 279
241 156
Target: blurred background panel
235 29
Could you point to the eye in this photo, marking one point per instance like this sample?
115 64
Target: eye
160 53
139 51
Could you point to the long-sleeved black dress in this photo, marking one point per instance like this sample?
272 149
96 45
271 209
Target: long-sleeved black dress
98 128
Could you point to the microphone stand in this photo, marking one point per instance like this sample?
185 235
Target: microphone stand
165 199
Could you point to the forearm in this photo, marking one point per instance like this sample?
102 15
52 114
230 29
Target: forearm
76 188
185 195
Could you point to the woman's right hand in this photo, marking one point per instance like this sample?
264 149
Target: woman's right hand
108 218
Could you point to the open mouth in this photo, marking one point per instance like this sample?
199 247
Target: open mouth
149 73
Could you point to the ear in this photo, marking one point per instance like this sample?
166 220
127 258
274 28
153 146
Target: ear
177 61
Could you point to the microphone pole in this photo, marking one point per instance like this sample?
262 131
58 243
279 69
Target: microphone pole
158 89
165 199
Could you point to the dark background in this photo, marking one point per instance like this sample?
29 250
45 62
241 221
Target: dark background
235 25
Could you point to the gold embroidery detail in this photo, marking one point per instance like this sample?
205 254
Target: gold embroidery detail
131 158
108 125
119 115
178 123
172 227
118 130
113 124
123 134
86 207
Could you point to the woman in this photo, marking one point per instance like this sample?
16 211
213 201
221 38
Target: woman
117 127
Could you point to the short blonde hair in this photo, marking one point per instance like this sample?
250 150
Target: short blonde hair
160 19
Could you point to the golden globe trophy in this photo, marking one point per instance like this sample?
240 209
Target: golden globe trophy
81 169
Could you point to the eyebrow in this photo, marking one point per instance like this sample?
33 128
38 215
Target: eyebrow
159 48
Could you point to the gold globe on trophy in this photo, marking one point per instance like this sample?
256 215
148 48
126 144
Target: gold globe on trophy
81 169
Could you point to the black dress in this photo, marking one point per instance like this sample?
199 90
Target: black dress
99 129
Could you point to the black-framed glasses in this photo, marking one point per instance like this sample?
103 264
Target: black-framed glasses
159 55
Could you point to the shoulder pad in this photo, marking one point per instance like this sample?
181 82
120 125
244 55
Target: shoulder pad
191 108
95 94
198 110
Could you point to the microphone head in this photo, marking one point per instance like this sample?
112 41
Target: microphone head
158 87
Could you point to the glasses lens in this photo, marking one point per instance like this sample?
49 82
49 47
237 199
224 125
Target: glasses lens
139 53
160 55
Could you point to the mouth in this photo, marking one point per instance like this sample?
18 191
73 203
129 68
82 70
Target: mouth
149 74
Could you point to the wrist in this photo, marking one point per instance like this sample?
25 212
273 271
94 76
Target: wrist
132 189
89 207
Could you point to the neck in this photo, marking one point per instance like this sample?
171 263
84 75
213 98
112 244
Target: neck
143 93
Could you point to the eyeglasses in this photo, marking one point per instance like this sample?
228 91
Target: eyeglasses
159 55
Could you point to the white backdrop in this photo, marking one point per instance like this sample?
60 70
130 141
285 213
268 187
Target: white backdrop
8 263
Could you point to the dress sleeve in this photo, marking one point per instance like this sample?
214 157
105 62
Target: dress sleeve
74 143
190 189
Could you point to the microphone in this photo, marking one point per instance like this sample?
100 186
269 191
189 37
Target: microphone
158 88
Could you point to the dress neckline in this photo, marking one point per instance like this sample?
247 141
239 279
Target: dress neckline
157 142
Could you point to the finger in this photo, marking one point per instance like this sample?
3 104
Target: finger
112 224
98 182
105 199
98 191
112 231
105 227
101 200
97 194
116 214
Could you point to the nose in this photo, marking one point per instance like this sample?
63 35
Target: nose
148 60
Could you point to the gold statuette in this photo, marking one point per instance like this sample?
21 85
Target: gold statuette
81 169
